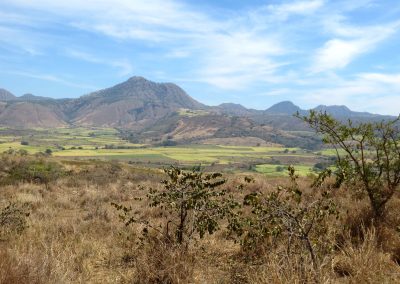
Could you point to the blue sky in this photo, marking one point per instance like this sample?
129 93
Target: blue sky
254 52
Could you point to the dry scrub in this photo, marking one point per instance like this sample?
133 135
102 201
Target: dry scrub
74 235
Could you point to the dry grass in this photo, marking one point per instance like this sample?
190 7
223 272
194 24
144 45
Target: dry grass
75 236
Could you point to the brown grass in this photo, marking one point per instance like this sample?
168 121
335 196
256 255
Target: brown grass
75 236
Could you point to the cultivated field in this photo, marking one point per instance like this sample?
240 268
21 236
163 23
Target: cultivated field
106 144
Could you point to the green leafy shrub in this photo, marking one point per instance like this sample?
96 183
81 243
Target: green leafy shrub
287 218
368 155
192 202
17 167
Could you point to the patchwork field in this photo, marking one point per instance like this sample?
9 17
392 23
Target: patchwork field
106 143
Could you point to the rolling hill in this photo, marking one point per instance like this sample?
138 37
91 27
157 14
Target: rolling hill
154 112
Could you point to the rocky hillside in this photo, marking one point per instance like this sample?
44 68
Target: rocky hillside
131 104
155 112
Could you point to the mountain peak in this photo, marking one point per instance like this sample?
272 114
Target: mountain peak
336 110
137 79
6 95
285 107
31 97
231 105
337 107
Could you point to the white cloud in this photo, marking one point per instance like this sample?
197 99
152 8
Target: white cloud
337 53
124 65
22 41
228 53
283 11
270 44
389 79
51 78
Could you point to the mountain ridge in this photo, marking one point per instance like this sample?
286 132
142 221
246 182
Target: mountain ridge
137 103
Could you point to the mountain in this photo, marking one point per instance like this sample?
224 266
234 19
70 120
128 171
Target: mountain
30 97
152 112
133 103
235 109
342 111
285 107
6 95
22 114
209 127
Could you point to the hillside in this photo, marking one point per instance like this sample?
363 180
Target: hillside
131 104
6 95
155 112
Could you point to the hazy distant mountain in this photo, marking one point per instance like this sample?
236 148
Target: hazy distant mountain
342 111
6 95
130 104
285 107
155 111
30 97
235 109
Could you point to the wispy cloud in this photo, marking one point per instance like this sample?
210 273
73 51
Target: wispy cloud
339 52
226 50
22 41
52 78
284 11
123 65
303 49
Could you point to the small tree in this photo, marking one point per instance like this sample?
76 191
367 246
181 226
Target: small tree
287 217
193 203
368 154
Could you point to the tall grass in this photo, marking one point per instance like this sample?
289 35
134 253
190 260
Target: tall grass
74 236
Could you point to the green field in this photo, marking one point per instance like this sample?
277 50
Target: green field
106 143
281 170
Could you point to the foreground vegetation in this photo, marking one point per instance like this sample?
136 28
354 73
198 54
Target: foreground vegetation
71 233
92 221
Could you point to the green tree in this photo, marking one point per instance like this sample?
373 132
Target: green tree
368 155
193 203
286 217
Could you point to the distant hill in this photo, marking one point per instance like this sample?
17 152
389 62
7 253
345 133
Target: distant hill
30 97
342 111
235 109
23 114
285 107
156 112
6 95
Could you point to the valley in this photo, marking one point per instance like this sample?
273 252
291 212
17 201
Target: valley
108 144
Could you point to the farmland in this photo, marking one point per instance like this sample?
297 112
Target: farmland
85 206
106 144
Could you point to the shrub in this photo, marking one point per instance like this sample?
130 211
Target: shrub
286 218
192 202
12 219
16 169
370 157
168 143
